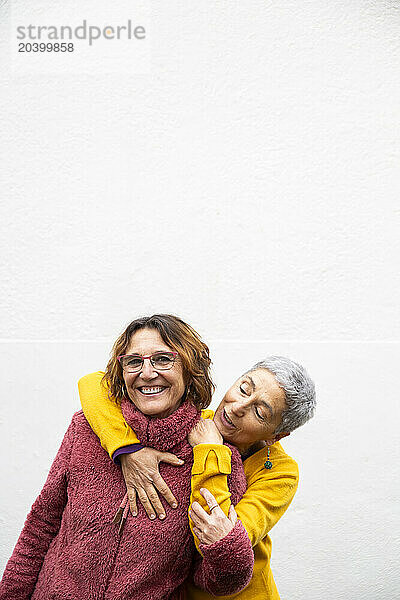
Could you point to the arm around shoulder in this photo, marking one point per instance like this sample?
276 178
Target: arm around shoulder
104 414
211 465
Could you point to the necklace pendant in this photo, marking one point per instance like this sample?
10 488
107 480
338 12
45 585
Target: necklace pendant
268 464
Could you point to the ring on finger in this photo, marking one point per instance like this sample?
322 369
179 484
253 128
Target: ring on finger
212 507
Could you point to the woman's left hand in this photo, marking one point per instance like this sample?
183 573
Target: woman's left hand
210 528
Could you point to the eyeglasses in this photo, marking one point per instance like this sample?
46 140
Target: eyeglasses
161 361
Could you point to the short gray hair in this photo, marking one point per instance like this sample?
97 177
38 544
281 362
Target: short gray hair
298 387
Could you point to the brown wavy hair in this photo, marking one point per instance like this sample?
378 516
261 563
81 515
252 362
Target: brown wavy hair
180 336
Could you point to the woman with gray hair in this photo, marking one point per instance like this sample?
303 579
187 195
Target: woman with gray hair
272 399
266 404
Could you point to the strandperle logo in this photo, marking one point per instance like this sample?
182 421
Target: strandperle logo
90 33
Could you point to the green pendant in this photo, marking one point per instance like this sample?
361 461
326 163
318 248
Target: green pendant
268 464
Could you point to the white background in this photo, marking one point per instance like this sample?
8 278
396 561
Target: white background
247 181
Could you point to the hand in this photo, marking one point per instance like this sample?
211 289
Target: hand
205 432
210 528
142 477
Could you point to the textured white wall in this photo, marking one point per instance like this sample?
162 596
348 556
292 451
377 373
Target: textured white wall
247 180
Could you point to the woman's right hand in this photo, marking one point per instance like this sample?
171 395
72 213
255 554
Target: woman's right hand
205 432
142 478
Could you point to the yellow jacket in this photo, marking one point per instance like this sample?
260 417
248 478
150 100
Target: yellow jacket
269 491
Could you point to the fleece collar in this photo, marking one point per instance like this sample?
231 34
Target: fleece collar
161 434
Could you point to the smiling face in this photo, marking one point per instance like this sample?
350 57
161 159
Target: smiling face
156 394
251 410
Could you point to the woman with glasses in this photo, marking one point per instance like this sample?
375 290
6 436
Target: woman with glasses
264 405
77 543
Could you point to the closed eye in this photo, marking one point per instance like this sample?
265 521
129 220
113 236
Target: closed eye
244 391
259 414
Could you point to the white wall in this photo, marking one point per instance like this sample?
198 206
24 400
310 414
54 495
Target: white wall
245 179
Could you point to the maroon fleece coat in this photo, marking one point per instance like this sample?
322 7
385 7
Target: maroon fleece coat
69 549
